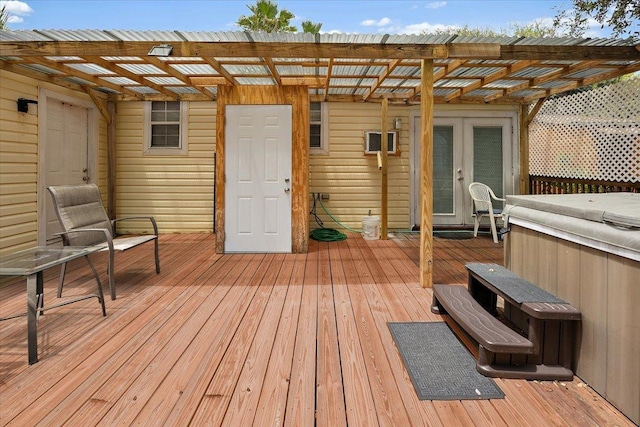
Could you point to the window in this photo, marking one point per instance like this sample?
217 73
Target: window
165 128
372 142
319 132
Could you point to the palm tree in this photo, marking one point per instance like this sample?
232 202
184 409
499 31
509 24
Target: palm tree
310 27
266 17
4 16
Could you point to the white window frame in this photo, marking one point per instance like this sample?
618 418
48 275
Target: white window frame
182 150
323 150
367 142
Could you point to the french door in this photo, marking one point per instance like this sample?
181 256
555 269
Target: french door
465 150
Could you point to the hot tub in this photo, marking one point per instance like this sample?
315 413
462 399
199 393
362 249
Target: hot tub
585 249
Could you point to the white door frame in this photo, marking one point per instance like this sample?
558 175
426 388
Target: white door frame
93 119
260 189
510 159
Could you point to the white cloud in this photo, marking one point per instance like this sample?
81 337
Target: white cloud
373 23
436 5
15 10
15 7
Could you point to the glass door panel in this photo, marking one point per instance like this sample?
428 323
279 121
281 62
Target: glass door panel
443 170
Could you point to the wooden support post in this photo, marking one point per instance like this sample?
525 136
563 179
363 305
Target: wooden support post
524 150
384 191
111 160
526 118
426 175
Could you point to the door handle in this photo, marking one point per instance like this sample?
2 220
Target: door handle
85 178
287 190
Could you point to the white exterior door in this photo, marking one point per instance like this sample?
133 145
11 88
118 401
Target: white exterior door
465 150
258 178
66 159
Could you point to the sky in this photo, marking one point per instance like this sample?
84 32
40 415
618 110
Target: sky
341 16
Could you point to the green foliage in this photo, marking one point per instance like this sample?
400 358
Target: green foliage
622 16
535 29
266 17
310 27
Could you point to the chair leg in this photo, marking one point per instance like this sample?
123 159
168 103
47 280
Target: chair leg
476 225
63 269
112 284
494 233
157 256
100 293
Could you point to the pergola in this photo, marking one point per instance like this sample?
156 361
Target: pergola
116 65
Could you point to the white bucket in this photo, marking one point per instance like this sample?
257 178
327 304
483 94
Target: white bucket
371 227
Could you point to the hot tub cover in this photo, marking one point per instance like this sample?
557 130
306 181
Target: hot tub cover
611 220
621 209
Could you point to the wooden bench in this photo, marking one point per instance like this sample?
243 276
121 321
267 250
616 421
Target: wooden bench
538 345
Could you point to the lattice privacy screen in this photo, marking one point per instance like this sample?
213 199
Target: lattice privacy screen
592 135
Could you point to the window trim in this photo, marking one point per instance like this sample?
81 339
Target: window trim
323 150
183 150
368 152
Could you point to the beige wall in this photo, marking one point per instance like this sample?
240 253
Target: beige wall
176 190
18 164
351 179
19 160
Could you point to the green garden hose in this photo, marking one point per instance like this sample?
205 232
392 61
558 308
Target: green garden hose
327 235
335 220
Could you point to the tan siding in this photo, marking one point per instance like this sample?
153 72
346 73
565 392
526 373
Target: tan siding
19 160
18 164
103 166
176 190
352 179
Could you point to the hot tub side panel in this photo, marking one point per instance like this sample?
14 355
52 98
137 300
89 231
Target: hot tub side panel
606 289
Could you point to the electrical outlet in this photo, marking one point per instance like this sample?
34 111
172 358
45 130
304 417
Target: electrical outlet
325 196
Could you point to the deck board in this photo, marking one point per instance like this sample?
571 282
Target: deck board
255 339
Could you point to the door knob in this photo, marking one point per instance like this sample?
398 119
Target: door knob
85 178
287 190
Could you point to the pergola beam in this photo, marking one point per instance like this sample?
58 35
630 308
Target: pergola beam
323 50
253 49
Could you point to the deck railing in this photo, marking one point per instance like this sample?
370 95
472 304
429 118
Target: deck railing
555 185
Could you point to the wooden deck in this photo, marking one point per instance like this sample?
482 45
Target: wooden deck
255 339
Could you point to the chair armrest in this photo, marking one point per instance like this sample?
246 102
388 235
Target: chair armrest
150 218
500 200
106 232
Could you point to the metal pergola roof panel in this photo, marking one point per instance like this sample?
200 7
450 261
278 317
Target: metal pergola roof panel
366 67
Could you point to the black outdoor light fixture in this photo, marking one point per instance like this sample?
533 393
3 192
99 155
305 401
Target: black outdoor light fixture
23 104
161 50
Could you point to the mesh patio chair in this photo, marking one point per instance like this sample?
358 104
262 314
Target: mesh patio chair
483 198
85 223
